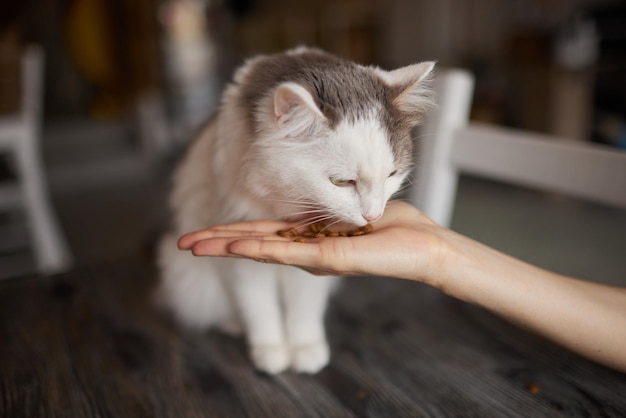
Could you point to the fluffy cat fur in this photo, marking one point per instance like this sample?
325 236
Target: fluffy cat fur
301 135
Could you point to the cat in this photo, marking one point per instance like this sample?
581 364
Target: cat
300 135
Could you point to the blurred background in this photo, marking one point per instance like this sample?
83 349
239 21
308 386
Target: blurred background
127 82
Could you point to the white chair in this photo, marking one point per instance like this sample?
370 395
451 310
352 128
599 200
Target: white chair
19 138
450 145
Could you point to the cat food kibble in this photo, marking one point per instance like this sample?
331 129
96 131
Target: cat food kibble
290 233
533 388
316 230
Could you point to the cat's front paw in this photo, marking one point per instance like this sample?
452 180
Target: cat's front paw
310 358
271 359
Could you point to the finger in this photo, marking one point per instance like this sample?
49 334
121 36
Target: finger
237 229
256 226
219 246
213 247
283 251
189 240
310 255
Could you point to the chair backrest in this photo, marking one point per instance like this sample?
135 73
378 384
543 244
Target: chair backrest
450 145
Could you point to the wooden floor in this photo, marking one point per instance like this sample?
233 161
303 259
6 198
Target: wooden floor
90 344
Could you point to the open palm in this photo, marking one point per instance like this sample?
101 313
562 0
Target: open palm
402 243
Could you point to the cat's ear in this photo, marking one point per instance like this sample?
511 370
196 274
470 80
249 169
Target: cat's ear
294 107
412 86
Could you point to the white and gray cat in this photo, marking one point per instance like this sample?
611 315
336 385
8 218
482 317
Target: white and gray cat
300 135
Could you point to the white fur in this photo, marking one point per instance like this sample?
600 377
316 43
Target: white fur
282 171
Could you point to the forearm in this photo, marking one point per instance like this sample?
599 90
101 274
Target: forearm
585 317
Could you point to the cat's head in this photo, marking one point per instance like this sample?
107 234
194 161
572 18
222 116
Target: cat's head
335 141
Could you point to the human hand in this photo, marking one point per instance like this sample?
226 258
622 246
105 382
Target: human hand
404 244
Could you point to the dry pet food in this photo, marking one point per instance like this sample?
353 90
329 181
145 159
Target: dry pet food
316 230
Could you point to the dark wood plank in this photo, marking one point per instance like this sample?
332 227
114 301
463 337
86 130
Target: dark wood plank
92 344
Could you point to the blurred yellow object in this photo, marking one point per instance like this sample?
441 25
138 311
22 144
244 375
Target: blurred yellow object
90 40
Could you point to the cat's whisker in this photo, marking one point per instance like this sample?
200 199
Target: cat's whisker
302 200
295 202
298 214
335 222
316 219
409 182
302 212
406 186
420 136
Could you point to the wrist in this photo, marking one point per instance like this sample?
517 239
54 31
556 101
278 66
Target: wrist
466 269
439 260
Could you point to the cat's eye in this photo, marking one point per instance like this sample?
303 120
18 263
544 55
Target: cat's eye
393 173
341 182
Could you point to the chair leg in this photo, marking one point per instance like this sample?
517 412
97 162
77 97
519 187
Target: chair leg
51 250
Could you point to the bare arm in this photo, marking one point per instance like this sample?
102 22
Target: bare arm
586 317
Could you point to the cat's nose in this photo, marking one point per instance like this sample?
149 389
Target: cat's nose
372 218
